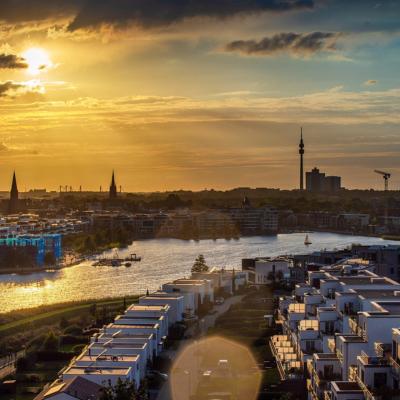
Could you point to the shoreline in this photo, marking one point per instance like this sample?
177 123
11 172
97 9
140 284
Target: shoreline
82 258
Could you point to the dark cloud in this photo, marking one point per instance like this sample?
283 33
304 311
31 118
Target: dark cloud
37 10
15 89
145 13
149 13
12 61
297 43
8 86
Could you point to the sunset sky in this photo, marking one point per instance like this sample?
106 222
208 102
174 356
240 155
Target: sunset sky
198 94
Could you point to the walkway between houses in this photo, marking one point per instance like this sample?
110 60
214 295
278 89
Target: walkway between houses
205 323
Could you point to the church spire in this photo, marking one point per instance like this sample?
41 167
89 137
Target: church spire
14 187
13 205
113 188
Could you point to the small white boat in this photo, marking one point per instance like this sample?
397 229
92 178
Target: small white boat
307 241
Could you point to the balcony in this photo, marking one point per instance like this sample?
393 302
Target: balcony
322 379
356 329
382 348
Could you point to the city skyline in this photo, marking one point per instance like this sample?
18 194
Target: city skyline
199 97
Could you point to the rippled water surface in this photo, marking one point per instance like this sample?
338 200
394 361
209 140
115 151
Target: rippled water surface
163 260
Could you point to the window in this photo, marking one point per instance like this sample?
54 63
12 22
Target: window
328 371
379 379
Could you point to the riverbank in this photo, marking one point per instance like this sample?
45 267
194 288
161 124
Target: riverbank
78 258
162 260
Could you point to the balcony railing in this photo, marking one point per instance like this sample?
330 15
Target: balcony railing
395 367
353 325
322 379
332 345
353 372
311 391
356 329
367 392
327 395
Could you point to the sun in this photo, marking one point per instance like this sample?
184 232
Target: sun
38 60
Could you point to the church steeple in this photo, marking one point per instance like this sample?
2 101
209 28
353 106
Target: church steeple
13 205
113 188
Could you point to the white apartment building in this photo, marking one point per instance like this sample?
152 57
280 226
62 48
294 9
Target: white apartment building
175 301
341 328
267 268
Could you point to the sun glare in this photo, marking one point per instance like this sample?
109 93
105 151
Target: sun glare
38 60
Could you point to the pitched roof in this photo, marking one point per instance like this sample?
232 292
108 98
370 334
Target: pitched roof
78 387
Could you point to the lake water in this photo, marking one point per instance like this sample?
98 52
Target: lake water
162 260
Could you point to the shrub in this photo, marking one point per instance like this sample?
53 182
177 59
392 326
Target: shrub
71 339
27 362
51 343
73 330
49 355
77 349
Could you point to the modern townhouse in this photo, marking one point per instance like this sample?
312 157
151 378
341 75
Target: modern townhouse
125 339
175 301
331 326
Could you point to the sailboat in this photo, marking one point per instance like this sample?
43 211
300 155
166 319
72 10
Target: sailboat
307 241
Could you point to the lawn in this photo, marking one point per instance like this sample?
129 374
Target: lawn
53 316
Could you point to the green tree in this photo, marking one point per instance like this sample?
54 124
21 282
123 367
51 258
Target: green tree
123 390
200 264
51 343
89 243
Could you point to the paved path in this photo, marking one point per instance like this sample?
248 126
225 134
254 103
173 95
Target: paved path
207 322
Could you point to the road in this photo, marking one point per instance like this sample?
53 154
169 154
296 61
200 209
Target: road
207 322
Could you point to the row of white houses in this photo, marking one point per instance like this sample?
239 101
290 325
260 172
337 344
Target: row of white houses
123 349
341 331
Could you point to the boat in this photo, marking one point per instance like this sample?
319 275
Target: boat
127 264
133 257
307 241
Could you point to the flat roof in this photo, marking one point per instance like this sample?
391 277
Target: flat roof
352 339
141 326
347 386
143 307
161 296
326 356
76 370
108 357
111 344
121 336
376 293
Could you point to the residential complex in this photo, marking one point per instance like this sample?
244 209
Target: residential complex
124 349
340 330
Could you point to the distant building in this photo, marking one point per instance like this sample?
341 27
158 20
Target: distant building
113 188
250 220
317 181
301 152
332 183
13 206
